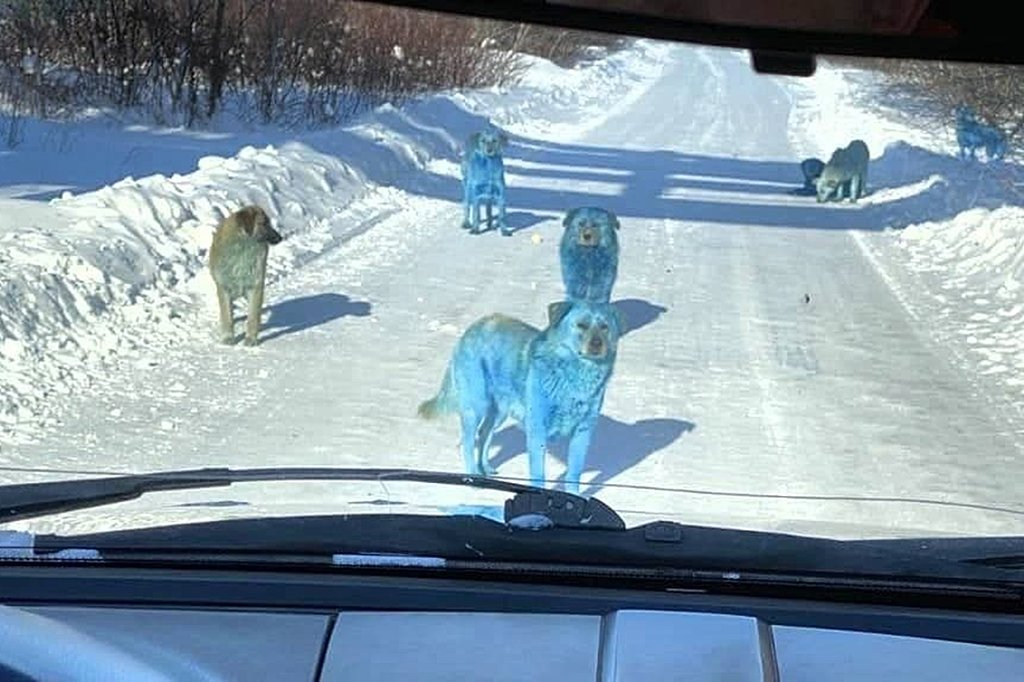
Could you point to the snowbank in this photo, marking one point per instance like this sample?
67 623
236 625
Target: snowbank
976 265
957 254
91 279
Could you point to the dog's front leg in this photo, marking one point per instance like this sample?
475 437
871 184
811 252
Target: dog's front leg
252 322
227 318
535 425
474 219
466 199
536 447
579 444
502 223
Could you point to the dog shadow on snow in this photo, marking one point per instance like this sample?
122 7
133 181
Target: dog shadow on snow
305 312
638 313
615 448
515 221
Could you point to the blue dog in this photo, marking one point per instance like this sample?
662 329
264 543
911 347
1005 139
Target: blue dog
589 254
811 169
551 382
483 179
972 134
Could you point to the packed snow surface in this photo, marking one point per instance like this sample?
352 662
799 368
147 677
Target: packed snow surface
849 370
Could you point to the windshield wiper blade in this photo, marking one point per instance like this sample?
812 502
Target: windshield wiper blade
29 500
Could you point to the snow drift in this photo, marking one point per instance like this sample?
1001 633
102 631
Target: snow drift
89 279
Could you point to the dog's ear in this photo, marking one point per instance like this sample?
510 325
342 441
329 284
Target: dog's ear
474 142
620 319
557 311
503 139
246 218
613 219
569 216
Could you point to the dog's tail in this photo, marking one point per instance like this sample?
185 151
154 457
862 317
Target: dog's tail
443 402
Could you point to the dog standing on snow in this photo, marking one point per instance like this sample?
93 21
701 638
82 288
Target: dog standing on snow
972 134
238 264
483 180
589 254
845 174
551 382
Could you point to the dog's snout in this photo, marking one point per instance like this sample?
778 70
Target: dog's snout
587 236
596 345
274 237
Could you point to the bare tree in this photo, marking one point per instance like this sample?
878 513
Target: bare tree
293 61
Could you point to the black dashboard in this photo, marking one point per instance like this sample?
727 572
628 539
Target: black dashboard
163 624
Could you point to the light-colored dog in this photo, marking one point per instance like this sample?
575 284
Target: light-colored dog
552 382
238 264
845 174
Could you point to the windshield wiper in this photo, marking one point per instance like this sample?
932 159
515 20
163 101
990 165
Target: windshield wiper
657 545
555 508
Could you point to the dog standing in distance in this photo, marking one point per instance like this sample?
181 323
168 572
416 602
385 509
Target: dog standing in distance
972 134
551 382
238 264
589 254
483 180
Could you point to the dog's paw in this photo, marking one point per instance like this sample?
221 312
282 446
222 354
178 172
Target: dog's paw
250 342
487 470
466 225
228 340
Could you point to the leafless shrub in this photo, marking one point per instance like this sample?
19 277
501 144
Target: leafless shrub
931 90
293 61
565 47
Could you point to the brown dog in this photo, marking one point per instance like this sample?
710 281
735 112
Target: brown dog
238 263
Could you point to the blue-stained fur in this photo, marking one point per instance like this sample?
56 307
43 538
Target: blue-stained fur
483 180
811 169
551 382
589 254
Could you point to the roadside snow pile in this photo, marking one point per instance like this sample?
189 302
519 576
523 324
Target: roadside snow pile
547 100
975 264
958 250
91 280
832 109
980 249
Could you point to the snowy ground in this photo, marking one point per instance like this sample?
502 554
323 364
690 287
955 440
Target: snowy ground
788 365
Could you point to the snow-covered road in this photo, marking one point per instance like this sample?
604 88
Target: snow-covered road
769 362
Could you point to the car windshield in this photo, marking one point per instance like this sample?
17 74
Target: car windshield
256 233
